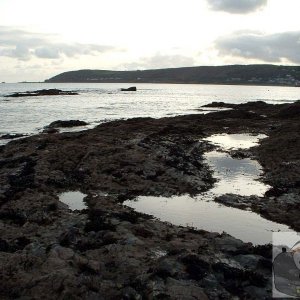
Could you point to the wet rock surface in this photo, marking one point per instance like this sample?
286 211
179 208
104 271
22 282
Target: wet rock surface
108 251
54 126
11 136
66 123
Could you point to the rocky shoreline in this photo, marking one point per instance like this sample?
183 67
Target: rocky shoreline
108 251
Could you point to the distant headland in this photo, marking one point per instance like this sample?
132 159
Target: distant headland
231 74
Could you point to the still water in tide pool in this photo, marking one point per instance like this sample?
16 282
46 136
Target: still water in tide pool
236 176
209 215
74 200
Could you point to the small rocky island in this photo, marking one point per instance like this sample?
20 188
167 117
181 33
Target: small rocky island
130 89
109 251
44 92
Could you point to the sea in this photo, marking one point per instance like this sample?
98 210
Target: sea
102 102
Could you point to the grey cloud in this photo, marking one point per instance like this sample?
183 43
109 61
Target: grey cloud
20 51
23 45
237 6
161 61
269 48
70 50
47 52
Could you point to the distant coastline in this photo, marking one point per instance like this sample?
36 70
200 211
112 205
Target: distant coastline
268 75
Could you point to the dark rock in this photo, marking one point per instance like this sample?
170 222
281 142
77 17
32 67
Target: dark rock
22 176
131 217
130 89
143 232
11 136
53 206
18 244
168 268
254 104
130 293
67 123
291 111
21 242
69 237
219 105
239 154
237 114
17 217
248 260
44 92
232 276
4 246
50 131
196 267
98 222
237 201
263 250
182 290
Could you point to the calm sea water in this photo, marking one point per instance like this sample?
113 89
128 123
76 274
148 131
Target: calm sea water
101 102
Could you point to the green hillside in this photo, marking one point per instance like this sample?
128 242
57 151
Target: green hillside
234 74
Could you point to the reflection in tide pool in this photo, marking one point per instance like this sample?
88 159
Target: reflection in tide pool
210 216
235 141
235 176
73 199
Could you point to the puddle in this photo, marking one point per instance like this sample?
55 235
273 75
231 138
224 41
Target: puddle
236 176
210 216
235 141
73 199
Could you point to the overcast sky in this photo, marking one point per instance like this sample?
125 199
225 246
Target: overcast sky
39 39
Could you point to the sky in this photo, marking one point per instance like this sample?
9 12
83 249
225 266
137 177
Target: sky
40 39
